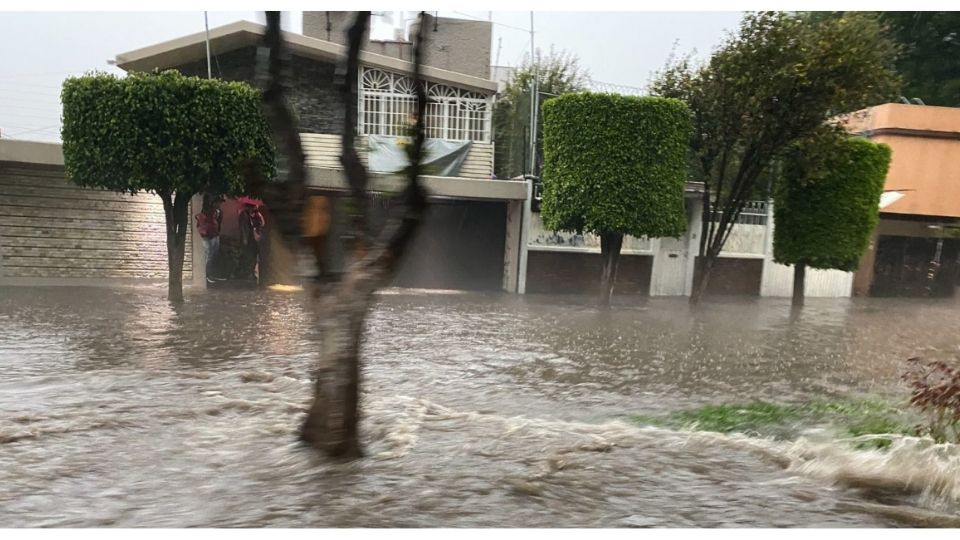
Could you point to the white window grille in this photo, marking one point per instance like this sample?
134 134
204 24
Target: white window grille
388 103
753 213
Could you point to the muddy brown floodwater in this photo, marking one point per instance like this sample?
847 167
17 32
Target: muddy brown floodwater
118 410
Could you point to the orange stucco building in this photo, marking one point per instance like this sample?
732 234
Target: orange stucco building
915 249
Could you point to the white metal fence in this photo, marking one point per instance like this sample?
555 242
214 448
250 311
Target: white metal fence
753 213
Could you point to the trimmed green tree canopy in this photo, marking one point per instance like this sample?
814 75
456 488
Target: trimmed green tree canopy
827 204
615 164
168 134
162 133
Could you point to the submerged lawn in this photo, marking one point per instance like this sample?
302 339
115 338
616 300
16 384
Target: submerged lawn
851 418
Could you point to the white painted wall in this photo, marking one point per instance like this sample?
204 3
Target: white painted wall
674 259
669 274
778 282
745 239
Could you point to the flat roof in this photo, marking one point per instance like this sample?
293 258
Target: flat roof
900 118
31 152
190 48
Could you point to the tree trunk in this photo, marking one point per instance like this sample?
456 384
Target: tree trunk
702 278
705 217
610 245
333 418
332 422
700 282
799 283
175 212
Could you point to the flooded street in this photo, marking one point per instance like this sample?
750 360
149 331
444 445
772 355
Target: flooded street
117 410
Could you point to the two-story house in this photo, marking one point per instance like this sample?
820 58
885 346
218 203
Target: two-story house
470 239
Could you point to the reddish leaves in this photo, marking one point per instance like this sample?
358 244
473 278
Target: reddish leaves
935 392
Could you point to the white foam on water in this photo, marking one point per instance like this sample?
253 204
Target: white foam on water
911 466
401 291
928 474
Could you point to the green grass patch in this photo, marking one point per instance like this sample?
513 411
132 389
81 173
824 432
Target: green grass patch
728 418
850 418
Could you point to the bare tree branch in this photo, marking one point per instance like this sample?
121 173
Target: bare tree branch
284 198
399 231
357 175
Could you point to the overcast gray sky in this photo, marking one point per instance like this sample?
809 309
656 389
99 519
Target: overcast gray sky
41 49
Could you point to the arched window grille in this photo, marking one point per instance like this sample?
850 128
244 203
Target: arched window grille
388 103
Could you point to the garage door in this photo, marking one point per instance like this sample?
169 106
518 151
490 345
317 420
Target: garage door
50 228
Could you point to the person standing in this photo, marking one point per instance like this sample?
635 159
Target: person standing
209 222
251 230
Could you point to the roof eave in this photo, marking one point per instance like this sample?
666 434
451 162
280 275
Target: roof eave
192 47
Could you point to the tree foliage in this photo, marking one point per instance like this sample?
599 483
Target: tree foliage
828 202
167 134
778 79
558 73
930 63
162 133
615 164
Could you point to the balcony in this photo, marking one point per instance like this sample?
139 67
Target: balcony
323 152
388 103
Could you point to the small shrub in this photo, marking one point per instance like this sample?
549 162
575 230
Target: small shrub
935 392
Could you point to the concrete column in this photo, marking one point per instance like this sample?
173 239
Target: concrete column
768 232
767 251
655 270
511 248
693 241
524 234
199 257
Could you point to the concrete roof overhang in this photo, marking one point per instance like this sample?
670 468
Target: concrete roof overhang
190 48
437 186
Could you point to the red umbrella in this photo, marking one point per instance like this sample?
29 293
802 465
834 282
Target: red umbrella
249 201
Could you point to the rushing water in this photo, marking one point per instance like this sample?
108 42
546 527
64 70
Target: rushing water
118 410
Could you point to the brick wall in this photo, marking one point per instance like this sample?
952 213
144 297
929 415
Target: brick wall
51 228
458 45
312 95
733 276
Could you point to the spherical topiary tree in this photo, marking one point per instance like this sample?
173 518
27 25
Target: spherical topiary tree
827 204
167 134
614 165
